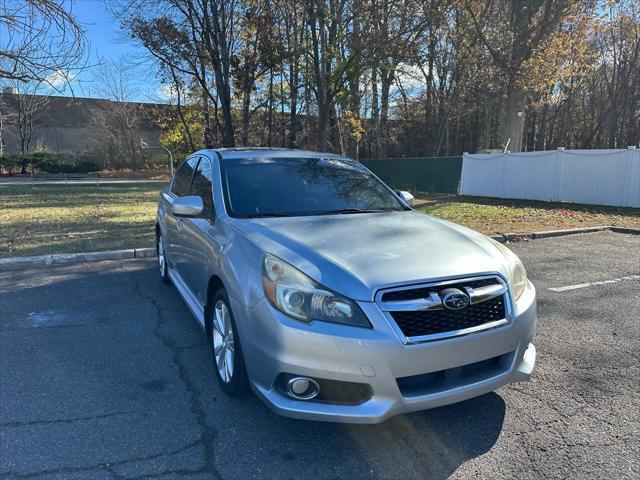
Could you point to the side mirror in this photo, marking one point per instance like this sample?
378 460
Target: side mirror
190 206
407 197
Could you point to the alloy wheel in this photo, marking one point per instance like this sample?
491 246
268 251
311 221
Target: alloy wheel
223 342
161 256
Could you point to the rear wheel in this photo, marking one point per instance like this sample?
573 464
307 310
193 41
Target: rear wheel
162 259
227 352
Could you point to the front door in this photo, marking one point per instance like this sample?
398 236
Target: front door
176 248
196 230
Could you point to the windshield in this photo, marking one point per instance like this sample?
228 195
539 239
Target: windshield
302 186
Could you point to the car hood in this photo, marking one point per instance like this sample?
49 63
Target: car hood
358 254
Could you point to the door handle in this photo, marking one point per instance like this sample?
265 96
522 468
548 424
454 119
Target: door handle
179 224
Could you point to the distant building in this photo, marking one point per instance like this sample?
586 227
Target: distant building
77 125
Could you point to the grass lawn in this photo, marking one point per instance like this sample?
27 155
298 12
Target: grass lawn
49 219
492 216
81 218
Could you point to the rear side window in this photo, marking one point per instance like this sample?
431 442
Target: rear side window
201 185
182 177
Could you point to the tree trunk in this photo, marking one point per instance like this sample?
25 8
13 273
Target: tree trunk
354 81
206 114
293 113
386 78
270 111
281 120
323 125
513 120
428 123
375 111
228 136
334 131
246 110
322 70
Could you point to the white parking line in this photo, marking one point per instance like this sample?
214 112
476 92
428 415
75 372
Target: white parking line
593 284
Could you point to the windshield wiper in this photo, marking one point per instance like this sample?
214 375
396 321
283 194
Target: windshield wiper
343 211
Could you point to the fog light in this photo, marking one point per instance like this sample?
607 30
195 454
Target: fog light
302 388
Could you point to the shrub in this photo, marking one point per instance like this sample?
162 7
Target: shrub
45 162
80 167
7 163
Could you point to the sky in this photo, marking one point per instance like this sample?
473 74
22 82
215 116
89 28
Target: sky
109 43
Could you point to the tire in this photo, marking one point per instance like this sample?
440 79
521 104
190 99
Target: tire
228 361
162 259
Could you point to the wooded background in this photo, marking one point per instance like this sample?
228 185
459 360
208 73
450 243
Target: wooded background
378 78
367 78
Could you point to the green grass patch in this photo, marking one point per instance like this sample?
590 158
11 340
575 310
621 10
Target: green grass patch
46 219
493 216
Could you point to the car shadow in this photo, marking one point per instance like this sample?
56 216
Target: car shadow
118 340
431 444
434 443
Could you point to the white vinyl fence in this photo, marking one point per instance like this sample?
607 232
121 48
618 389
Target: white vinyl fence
597 177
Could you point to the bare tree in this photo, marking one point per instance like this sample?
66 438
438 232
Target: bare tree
118 119
30 109
21 111
40 41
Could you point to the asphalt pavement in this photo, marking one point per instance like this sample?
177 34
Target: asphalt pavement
105 375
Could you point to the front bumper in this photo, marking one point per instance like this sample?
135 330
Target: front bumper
273 343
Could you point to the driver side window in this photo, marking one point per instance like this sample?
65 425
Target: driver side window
182 177
201 186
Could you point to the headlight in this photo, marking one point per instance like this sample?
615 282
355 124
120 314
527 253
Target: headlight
294 294
517 273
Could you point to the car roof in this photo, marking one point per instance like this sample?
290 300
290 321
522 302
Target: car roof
262 152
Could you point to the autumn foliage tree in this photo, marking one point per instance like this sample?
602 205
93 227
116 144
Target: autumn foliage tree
397 78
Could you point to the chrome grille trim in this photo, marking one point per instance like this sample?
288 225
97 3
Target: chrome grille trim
482 294
433 302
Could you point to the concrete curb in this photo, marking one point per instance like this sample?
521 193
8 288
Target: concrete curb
511 237
66 258
570 231
61 259
145 252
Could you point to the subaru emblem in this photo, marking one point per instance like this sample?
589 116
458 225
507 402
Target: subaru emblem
454 299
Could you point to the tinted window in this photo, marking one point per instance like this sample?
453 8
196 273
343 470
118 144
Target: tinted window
201 185
182 177
302 186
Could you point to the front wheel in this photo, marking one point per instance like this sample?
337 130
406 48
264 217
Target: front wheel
162 259
227 352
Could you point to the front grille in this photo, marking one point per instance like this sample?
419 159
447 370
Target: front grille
416 319
429 322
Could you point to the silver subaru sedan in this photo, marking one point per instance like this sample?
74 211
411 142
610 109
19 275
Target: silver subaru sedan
324 292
